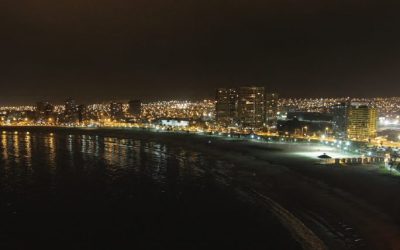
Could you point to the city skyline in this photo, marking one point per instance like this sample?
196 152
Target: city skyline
192 124
33 100
171 50
104 101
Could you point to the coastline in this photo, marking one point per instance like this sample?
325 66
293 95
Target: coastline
322 198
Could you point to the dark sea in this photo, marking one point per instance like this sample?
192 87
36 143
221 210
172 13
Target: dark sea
97 191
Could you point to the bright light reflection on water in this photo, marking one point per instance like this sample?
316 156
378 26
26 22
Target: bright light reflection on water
83 158
135 187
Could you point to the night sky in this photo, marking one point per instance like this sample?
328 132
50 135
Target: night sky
96 50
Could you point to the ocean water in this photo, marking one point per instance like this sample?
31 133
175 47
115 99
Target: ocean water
96 191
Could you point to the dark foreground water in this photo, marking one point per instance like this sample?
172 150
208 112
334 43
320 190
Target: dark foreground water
77 191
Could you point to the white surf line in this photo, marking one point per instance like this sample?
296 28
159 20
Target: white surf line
301 233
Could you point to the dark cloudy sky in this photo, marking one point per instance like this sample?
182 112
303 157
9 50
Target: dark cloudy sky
104 49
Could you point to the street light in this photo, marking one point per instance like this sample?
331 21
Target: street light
302 131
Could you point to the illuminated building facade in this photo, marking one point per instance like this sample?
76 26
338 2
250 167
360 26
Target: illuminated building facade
135 107
271 109
251 107
71 111
116 111
44 111
339 118
226 106
82 113
174 122
361 122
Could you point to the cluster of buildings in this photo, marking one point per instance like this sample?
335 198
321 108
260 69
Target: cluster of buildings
110 114
180 110
71 113
347 120
247 108
253 108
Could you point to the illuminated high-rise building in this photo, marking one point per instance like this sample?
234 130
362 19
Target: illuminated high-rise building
116 111
339 113
361 122
251 107
44 111
271 109
135 107
70 107
71 111
82 113
226 106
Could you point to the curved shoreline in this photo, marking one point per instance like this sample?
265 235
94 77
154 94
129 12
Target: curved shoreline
300 233
323 199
